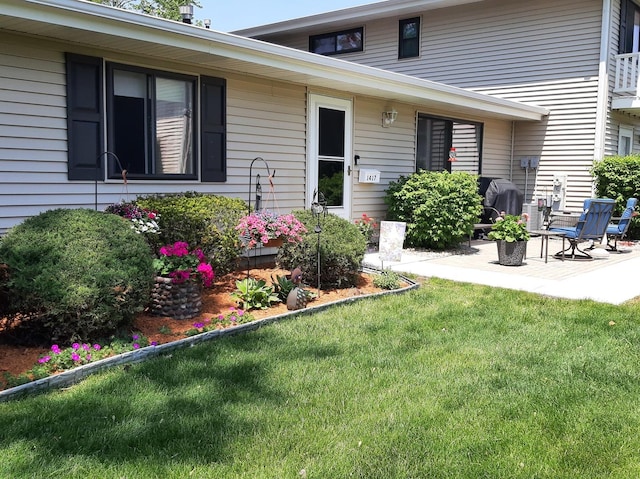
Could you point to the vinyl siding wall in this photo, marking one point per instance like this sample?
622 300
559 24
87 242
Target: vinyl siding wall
264 118
544 52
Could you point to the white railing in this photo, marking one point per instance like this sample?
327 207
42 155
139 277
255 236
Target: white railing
627 78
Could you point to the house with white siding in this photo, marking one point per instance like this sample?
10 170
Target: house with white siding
577 58
100 104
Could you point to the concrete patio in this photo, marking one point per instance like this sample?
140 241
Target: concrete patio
609 279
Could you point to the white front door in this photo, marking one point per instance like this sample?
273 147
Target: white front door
330 131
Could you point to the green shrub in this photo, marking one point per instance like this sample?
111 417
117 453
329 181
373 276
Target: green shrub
387 279
618 177
76 274
342 248
202 220
440 209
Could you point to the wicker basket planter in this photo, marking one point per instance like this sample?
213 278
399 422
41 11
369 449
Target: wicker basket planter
511 253
177 301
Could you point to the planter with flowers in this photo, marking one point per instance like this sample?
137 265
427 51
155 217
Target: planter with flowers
269 229
511 236
181 274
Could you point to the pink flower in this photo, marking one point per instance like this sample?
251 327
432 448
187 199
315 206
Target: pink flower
75 357
44 359
206 273
136 346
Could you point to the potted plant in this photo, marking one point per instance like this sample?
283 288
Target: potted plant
266 226
181 274
511 236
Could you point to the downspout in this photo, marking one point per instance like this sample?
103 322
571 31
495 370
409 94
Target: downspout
603 83
513 141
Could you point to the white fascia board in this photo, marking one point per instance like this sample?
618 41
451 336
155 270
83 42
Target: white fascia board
309 68
361 13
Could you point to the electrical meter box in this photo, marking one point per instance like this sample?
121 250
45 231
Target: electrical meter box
369 176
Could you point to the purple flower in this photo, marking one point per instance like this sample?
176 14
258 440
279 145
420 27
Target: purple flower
86 347
154 343
44 359
75 357
88 357
97 347
136 346
135 337
75 346
56 349
198 325
233 319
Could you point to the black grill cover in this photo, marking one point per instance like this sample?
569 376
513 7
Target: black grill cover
504 196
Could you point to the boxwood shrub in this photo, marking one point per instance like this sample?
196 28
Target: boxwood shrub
76 274
342 248
202 220
440 208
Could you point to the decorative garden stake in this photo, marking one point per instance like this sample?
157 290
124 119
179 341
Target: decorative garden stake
319 210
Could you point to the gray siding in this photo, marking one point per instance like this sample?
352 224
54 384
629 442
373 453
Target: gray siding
265 119
543 52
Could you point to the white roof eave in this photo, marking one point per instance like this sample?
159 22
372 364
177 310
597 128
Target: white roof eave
90 24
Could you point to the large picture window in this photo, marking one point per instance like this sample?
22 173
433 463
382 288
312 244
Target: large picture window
153 122
345 41
435 138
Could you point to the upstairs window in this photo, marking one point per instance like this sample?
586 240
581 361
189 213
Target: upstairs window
345 41
409 38
629 41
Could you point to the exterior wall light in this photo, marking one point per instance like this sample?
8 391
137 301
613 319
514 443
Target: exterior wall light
388 117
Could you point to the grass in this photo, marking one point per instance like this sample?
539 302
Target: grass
449 381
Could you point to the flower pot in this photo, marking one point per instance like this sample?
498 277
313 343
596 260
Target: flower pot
176 300
511 253
273 243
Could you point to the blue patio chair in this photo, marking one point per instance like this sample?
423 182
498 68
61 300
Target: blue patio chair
618 231
591 226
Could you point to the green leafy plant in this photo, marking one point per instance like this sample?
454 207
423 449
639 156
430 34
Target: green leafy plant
282 286
254 294
618 177
341 245
439 208
510 228
75 274
180 264
387 279
199 219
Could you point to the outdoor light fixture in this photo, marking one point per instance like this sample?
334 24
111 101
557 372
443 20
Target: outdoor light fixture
186 12
319 211
388 117
207 23
452 155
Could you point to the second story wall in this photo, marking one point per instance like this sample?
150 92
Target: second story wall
544 52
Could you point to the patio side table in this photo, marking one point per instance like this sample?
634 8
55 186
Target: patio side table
544 245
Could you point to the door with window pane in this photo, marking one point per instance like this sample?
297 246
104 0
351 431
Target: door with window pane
329 153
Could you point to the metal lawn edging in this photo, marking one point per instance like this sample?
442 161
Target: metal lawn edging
75 375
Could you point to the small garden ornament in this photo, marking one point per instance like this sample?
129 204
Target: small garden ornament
298 297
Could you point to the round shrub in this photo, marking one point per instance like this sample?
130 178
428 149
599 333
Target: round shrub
342 248
440 208
76 274
202 220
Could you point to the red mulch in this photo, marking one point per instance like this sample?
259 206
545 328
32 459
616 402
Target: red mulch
16 359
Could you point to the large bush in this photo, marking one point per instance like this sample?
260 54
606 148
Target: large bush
202 220
440 209
342 248
618 177
76 274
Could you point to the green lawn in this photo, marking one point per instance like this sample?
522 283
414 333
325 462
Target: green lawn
447 381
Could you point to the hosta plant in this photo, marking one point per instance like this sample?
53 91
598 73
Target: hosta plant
254 294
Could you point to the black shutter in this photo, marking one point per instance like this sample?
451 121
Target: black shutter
84 117
213 128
